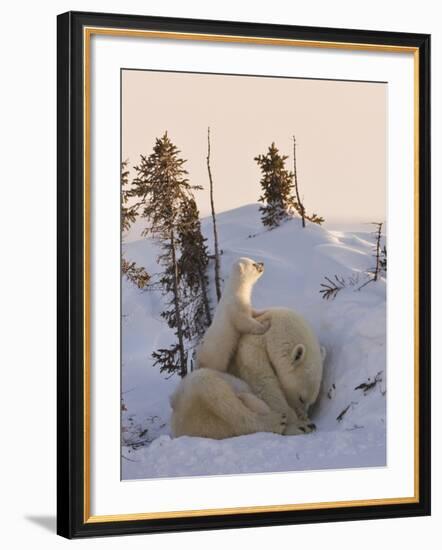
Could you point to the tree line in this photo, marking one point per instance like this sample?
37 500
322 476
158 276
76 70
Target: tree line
163 197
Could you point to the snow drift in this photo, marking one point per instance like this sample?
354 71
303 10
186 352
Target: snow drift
350 413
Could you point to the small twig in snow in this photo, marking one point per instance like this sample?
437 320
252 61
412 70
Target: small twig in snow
331 290
355 427
129 459
370 384
342 413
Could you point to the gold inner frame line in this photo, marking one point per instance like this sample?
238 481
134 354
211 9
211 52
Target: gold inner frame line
87 33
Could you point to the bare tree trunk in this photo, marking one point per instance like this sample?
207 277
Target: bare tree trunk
378 250
176 303
298 198
205 297
377 268
215 232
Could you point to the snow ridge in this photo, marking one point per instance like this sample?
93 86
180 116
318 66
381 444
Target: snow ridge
350 413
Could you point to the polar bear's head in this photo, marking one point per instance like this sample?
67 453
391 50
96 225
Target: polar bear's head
248 270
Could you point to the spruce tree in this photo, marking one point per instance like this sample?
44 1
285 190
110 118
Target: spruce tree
128 211
192 283
277 185
133 273
167 204
193 263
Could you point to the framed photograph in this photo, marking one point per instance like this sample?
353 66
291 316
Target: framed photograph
243 274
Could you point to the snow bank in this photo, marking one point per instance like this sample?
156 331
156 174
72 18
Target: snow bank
351 422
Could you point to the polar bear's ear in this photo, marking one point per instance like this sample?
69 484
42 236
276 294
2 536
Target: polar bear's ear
298 354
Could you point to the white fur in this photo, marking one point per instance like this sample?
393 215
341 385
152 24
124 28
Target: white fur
233 316
215 404
284 366
278 373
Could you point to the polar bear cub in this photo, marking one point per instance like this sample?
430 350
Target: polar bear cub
283 366
233 316
215 404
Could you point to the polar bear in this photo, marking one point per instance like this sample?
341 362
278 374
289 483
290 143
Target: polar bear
283 367
215 404
233 316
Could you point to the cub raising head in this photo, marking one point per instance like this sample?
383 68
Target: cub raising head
248 270
234 316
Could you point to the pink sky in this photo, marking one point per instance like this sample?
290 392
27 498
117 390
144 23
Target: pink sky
340 129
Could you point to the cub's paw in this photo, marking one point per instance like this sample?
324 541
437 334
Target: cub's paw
282 423
277 422
259 312
300 428
300 408
265 325
301 414
307 426
293 429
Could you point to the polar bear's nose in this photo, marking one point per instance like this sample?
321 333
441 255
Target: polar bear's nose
261 266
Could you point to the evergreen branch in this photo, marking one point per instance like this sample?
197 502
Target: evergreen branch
331 289
135 274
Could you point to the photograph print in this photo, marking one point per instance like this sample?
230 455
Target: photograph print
253 274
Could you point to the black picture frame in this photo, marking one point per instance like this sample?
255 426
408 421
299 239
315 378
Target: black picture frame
72 517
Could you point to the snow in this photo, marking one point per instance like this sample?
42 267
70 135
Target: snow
351 327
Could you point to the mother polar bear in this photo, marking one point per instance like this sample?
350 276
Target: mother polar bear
273 377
